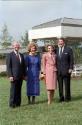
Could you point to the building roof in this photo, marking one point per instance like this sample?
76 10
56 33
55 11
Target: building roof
61 22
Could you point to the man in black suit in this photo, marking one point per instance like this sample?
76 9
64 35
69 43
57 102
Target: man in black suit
65 63
16 72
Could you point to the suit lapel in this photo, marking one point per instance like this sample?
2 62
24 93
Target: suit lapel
17 58
64 50
58 51
21 58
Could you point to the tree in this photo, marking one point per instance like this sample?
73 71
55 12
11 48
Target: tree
6 39
24 39
76 51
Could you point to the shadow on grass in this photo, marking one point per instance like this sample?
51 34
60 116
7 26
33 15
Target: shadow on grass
36 103
46 100
41 101
76 98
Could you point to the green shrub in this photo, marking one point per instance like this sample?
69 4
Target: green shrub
4 73
2 56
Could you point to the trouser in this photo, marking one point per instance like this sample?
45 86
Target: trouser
64 87
15 93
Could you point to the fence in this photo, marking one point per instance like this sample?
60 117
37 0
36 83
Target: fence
77 70
2 68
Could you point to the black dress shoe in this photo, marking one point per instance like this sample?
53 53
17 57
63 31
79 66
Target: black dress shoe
17 105
12 106
61 100
67 100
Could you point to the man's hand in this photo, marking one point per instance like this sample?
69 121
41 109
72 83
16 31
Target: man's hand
70 71
11 79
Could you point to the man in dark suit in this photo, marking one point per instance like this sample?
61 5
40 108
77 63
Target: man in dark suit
65 63
16 72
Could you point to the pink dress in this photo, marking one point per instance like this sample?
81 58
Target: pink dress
49 68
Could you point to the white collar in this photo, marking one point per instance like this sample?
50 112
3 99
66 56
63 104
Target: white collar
16 52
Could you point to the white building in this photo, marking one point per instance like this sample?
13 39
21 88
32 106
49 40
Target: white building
69 28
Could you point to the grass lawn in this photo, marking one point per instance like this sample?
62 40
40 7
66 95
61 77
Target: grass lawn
40 113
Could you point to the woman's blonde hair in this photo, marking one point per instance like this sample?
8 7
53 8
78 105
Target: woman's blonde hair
30 45
46 47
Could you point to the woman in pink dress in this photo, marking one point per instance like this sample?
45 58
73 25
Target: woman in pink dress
50 72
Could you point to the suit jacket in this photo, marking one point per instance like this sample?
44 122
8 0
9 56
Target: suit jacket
66 61
15 68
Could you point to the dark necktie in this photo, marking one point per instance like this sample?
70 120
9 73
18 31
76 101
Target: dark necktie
18 57
60 51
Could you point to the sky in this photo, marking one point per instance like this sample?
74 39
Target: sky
21 16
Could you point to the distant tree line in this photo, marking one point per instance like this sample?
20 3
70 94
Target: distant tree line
6 39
